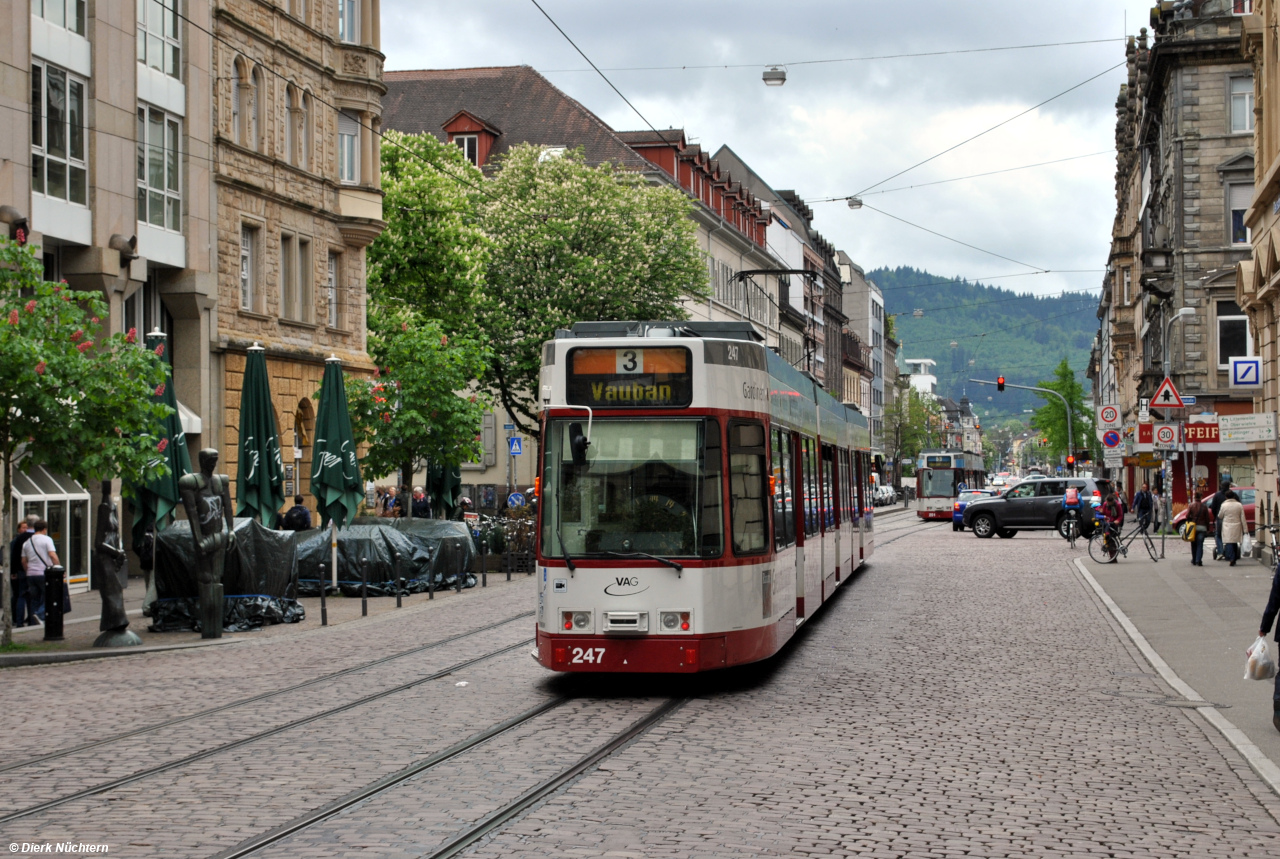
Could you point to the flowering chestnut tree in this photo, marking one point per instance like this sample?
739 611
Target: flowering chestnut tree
420 406
570 242
72 396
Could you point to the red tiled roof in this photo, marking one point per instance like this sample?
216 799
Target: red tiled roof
516 99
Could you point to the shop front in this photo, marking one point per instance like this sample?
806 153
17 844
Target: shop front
64 504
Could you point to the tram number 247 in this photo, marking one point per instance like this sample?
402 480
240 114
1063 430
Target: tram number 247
588 654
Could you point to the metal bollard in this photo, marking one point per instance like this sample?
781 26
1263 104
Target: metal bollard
53 606
397 575
364 588
484 559
324 587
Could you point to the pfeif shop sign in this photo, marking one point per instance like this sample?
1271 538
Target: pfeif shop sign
1200 433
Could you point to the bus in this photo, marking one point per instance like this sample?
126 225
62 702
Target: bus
939 478
698 500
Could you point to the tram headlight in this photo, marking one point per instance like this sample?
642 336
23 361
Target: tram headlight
670 620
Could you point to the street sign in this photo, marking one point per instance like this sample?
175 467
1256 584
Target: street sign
1253 427
508 427
1188 401
1246 372
1166 396
1201 433
1144 411
1112 460
515 499
1165 434
514 447
1110 439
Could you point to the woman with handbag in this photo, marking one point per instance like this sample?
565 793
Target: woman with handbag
1197 522
1231 515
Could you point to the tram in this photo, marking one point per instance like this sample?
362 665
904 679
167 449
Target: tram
699 498
939 476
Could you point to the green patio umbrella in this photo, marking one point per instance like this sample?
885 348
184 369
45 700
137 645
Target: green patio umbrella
444 482
335 473
155 501
260 477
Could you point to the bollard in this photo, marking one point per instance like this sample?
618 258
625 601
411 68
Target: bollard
396 572
53 605
324 609
364 588
484 559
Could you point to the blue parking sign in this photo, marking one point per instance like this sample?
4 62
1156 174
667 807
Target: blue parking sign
514 446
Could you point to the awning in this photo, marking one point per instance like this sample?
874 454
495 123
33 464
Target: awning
190 420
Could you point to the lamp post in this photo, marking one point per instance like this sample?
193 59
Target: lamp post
1183 313
1071 439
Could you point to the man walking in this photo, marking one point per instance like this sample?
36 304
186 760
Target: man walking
17 578
38 554
298 517
1143 505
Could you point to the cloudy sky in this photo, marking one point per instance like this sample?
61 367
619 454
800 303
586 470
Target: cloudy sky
838 128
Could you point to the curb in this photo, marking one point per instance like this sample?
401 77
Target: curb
1266 768
16 660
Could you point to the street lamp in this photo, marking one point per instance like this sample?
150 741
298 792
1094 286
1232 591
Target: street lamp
775 76
1168 326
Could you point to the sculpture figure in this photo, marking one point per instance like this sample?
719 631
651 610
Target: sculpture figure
207 499
112 576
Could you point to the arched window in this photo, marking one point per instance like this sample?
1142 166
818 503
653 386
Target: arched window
257 96
237 102
293 110
304 132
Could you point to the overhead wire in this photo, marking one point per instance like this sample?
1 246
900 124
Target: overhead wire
957 241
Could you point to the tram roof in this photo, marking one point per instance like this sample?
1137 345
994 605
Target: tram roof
682 328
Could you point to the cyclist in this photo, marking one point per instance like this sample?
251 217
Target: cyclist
1113 517
1072 504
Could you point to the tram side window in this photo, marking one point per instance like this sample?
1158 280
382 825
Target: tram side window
846 485
828 487
809 484
712 488
784 514
748 488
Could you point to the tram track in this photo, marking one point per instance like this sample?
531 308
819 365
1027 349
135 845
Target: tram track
113 784
221 708
490 822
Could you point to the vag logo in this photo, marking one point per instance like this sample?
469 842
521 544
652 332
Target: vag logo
625 586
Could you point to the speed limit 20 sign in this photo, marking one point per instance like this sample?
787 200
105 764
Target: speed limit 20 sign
1108 418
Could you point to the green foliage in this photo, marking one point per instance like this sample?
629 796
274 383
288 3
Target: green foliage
907 422
416 411
75 398
1050 420
571 243
1025 337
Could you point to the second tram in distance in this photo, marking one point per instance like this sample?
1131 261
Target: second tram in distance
939 478
699 498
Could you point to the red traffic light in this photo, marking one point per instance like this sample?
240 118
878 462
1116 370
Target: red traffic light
999 383
1071 460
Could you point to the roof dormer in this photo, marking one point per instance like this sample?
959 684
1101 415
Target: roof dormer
472 135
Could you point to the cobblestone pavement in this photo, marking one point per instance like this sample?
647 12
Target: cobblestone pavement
959 697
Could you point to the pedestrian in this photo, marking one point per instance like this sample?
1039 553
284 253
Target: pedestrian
1215 507
1231 524
1198 517
1269 623
38 554
17 578
421 504
298 517
1143 507
1113 519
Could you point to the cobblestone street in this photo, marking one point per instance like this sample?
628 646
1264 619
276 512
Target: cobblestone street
960 697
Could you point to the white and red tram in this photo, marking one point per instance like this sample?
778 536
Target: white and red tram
700 498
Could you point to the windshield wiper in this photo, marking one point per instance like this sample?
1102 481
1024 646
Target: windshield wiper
678 567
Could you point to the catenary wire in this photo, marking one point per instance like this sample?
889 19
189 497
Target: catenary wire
843 59
957 241
992 128
1002 330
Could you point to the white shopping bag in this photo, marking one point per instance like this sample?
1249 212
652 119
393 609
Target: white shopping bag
1261 665
1246 545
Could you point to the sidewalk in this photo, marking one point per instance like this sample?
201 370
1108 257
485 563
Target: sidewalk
1200 620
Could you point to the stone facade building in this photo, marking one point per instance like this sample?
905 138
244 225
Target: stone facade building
1184 176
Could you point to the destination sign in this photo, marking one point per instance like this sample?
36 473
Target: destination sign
628 377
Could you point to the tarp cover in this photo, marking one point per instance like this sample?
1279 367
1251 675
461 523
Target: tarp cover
260 581
426 551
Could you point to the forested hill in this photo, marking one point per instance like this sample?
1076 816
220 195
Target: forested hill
1025 336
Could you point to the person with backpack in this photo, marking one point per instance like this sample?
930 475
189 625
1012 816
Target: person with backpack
1113 520
1072 504
1143 506
298 518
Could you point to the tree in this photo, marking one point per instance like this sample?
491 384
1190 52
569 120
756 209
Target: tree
74 397
906 427
570 243
431 258
416 411
1050 420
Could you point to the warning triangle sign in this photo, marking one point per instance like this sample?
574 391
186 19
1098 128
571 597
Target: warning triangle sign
1167 396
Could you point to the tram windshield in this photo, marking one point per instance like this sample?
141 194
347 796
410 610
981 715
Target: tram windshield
648 486
938 482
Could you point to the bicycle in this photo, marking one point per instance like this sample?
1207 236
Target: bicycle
1106 547
1071 526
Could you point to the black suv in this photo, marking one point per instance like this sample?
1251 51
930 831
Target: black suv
1034 505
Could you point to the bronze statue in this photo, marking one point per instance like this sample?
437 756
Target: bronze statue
112 576
207 499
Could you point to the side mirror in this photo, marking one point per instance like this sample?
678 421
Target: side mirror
578 444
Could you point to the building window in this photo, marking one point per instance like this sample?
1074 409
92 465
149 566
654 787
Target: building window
1128 286
298 9
1241 105
159 185
58 167
304 132
61 13
1242 7
333 291
349 21
295 278
248 268
1238 197
1233 333
237 103
256 97
470 146
348 147
159 45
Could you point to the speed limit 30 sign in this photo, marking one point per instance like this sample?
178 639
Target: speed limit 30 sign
1165 434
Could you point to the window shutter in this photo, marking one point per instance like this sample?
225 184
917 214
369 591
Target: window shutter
348 124
1241 195
489 437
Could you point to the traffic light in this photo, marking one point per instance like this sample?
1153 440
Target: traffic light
1044 441
999 383
1071 460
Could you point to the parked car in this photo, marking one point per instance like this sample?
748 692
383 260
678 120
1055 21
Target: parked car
1247 494
957 509
1033 505
884 495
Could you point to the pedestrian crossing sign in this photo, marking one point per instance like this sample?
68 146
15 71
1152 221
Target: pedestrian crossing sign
513 446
